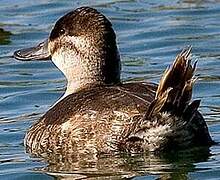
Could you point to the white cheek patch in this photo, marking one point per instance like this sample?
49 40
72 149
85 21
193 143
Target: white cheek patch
70 54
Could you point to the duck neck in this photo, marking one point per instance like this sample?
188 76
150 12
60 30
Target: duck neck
76 84
89 65
90 74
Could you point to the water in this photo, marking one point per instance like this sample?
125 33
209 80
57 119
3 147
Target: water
149 35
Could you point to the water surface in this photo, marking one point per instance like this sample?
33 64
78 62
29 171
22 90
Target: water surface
149 36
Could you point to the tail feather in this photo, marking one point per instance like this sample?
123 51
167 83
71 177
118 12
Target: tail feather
191 110
179 80
156 106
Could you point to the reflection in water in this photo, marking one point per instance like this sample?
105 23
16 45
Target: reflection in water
5 37
174 165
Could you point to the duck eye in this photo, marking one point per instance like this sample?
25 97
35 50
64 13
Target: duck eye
62 31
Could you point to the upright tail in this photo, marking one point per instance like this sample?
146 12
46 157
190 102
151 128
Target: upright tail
174 91
172 119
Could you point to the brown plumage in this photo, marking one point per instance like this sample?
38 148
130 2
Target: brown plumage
98 114
107 119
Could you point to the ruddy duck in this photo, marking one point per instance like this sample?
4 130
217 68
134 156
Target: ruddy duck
98 113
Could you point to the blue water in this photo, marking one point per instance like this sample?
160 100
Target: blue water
149 36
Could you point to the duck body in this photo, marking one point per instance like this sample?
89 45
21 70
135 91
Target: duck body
111 119
98 113
91 120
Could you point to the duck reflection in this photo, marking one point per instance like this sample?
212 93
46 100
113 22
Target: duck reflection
173 165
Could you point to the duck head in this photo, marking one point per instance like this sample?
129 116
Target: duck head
83 46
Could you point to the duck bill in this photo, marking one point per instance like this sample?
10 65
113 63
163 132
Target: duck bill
39 52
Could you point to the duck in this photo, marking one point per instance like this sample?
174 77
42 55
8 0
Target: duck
98 113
